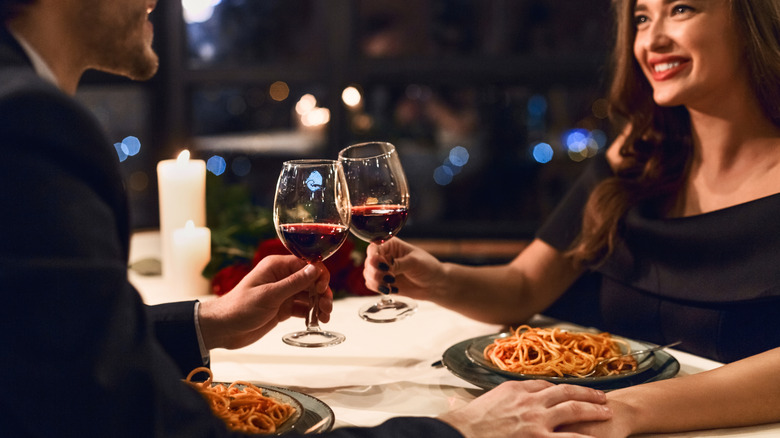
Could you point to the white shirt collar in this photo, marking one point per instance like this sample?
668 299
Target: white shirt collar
38 63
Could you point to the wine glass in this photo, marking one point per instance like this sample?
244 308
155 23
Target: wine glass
380 203
311 216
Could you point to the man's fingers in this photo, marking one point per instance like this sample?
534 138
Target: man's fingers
295 282
577 412
560 393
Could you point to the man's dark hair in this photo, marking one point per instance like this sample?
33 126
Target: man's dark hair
9 8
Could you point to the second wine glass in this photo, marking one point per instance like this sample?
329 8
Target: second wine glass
311 216
380 203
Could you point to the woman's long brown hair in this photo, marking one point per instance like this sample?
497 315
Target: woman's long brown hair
657 146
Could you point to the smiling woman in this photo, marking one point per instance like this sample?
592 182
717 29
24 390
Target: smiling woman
672 234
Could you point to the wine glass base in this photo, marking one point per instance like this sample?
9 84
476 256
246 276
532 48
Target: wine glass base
313 338
389 309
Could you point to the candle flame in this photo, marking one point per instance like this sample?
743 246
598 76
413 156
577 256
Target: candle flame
184 156
189 225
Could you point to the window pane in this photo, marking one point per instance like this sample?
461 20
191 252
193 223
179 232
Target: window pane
390 28
245 32
484 154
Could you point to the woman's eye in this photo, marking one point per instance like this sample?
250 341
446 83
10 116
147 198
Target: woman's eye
681 9
640 19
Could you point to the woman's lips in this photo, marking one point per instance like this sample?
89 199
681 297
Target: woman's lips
666 69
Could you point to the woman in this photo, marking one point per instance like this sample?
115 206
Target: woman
673 235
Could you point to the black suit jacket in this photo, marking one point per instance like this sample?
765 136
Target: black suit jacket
81 354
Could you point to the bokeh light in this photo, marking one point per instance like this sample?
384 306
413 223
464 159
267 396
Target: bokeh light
459 156
442 175
121 151
542 153
216 165
241 166
351 96
279 91
132 144
198 11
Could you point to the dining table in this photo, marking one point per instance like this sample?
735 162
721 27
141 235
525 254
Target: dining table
381 370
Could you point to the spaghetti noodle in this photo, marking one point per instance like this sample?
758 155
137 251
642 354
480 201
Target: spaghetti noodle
242 405
555 352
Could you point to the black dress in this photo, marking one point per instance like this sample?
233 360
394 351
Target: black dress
710 280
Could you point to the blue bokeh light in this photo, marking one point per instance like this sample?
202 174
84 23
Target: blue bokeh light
241 166
542 153
121 151
216 165
537 105
600 137
442 175
132 144
576 140
459 156
314 181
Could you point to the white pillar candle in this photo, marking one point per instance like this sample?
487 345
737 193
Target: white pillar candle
182 195
191 253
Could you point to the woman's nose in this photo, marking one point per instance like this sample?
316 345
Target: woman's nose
657 37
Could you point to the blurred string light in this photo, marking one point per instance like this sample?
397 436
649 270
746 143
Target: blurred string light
216 165
128 147
241 166
581 143
351 96
279 91
542 153
198 11
453 164
578 144
310 114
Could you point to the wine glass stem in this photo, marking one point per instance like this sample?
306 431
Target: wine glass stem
312 321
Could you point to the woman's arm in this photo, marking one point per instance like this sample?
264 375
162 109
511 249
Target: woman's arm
746 392
503 294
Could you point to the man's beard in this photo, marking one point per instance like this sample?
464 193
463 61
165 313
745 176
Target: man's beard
123 49
139 65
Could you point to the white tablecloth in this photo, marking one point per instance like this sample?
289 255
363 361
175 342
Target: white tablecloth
381 370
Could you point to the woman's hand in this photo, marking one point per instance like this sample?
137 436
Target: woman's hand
397 266
530 408
276 289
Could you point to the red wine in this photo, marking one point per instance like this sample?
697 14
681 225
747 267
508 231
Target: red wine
313 242
377 223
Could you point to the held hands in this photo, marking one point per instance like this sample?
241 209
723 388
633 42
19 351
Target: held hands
276 289
530 408
404 268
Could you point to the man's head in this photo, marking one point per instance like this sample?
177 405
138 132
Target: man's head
76 35
118 36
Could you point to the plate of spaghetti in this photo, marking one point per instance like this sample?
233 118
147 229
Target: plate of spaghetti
558 355
259 409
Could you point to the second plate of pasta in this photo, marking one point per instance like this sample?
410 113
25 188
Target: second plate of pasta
531 359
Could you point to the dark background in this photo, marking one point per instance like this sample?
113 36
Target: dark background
492 77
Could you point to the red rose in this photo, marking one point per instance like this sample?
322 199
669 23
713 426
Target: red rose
269 247
345 274
227 278
356 284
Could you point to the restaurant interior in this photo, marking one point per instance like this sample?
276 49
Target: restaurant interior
494 106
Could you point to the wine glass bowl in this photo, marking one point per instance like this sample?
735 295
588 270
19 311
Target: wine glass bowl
379 196
312 216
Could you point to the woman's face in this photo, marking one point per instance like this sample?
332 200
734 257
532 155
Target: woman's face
688 50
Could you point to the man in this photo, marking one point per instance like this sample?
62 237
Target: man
82 355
